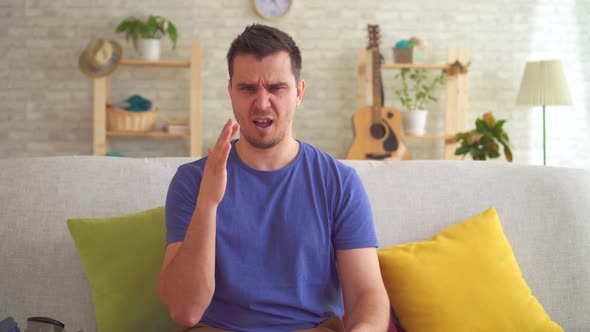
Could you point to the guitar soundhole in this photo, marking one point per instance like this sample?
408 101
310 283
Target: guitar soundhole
377 131
389 115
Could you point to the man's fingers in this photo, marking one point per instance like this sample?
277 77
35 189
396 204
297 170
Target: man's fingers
223 136
234 130
219 153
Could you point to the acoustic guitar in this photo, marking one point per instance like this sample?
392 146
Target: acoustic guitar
376 128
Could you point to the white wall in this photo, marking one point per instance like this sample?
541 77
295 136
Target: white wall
46 102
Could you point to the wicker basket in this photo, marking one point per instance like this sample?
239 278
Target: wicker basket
118 119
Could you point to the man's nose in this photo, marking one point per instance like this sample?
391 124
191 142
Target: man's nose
262 99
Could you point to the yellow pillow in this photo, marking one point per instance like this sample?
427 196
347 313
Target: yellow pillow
465 278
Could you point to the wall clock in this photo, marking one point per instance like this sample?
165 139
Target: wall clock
273 9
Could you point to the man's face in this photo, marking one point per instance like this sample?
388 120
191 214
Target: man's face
264 96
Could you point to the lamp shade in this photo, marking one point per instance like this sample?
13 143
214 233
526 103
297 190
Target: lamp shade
543 83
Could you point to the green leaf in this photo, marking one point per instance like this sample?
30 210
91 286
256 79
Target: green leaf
460 136
122 26
152 21
172 33
150 28
499 124
505 143
498 128
462 150
508 153
480 125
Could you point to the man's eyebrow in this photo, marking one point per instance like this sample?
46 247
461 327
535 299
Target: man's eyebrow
246 85
278 85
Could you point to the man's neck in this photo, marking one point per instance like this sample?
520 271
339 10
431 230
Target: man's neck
271 159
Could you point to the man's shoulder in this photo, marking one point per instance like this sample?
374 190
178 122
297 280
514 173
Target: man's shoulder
316 154
191 170
195 164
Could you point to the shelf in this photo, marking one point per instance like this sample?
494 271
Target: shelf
413 66
147 133
102 94
167 63
449 139
433 137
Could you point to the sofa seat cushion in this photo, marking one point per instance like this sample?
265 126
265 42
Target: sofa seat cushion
465 278
122 257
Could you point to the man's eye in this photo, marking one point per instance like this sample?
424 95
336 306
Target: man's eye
248 88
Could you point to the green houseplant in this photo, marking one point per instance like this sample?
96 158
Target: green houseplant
148 32
417 90
482 142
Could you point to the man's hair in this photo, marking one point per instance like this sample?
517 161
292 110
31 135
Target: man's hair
261 40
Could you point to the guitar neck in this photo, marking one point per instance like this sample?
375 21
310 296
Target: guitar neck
376 84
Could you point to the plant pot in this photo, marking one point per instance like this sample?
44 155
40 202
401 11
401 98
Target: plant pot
149 48
415 122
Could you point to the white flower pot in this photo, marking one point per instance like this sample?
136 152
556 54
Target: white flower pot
415 122
149 49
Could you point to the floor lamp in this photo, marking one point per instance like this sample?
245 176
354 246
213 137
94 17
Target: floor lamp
543 83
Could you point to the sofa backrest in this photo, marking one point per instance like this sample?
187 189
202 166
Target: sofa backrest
545 213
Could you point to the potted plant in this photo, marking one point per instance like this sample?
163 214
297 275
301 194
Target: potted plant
482 142
416 92
148 33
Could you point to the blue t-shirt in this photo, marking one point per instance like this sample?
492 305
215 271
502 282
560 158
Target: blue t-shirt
277 236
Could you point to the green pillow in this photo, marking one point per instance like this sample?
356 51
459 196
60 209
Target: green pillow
122 257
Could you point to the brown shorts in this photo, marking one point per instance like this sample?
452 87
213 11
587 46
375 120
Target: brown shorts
333 324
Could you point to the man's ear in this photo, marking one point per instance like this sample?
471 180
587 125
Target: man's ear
229 85
300 91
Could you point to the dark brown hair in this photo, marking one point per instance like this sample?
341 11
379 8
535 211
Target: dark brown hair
260 41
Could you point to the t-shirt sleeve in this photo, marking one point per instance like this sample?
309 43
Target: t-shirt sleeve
181 201
353 217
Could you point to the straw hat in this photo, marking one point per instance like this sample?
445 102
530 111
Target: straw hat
100 57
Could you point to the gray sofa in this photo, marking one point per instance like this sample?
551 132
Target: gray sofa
545 213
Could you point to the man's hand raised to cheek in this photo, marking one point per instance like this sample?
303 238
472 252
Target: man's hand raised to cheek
215 174
187 281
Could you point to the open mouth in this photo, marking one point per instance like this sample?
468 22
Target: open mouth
263 123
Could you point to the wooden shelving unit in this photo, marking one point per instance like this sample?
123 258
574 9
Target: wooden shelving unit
413 66
147 133
102 94
143 63
456 93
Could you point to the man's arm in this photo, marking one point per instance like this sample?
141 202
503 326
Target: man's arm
187 279
366 304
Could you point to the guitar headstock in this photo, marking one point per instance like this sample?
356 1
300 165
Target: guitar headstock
374 37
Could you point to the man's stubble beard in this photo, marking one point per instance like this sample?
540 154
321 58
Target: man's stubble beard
259 145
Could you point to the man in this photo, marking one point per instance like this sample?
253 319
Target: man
268 233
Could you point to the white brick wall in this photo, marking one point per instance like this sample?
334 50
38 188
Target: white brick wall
45 101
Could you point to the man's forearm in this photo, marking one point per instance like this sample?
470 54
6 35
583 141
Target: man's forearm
188 282
370 313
